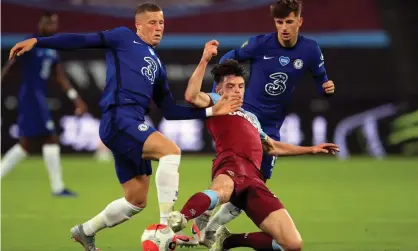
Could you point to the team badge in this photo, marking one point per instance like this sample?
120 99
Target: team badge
298 64
143 127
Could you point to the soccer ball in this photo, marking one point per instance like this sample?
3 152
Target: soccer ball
158 237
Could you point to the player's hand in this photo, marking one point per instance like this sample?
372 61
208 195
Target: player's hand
325 148
268 145
329 87
80 107
211 49
22 47
227 104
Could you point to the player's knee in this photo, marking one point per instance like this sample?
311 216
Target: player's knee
293 244
137 201
173 150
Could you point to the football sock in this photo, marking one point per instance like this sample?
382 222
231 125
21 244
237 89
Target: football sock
258 241
167 182
11 158
51 154
199 203
225 214
116 212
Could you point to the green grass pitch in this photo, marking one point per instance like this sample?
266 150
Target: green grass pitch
357 205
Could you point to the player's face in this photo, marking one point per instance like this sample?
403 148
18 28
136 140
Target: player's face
232 85
288 28
49 25
150 27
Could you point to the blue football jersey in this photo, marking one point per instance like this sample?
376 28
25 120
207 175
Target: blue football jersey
135 74
275 72
37 66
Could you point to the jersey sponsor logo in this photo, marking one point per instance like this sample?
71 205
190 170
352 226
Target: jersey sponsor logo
143 127
284 60
244 44
265 57
298 64
135 42
279 84
246 116
150 70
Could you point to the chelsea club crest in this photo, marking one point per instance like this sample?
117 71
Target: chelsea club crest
298 64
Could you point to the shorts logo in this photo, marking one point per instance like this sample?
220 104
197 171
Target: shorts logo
143 127
279 84
192 212
231 173
298 64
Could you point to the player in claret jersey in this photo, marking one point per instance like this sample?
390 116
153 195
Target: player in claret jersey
236 175
135 76
278 60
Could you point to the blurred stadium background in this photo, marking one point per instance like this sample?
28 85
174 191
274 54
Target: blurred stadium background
367 202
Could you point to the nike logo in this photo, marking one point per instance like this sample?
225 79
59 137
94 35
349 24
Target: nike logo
135 42
265 57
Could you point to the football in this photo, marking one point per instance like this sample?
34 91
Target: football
158 237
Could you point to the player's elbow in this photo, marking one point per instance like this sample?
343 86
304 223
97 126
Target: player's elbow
190 98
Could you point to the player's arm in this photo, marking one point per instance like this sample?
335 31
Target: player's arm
6 68
61 79
163 98
247 51
70 41
193 95
277 148
319 73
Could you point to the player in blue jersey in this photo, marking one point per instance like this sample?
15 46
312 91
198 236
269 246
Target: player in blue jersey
135 77
36 127
278 61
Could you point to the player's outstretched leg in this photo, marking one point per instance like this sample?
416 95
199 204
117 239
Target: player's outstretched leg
158 147
116 212
219 192
280 232
205 228
12 157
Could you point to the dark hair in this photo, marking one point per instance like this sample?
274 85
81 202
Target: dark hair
48 14
147 7
283 8
228 67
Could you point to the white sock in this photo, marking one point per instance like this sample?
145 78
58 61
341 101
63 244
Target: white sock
11 158
51 153
116 212
225 214
167 182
